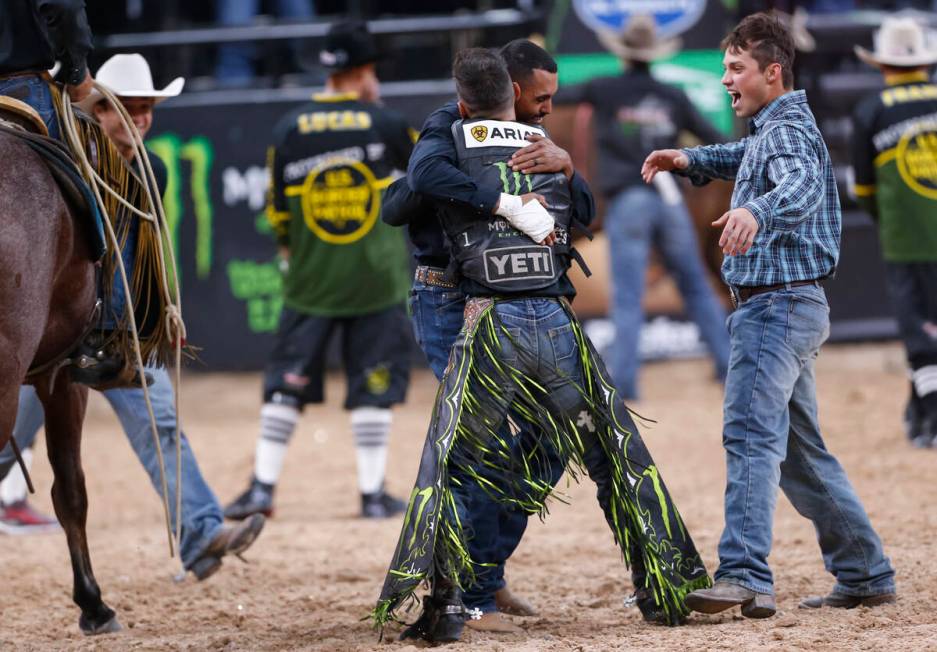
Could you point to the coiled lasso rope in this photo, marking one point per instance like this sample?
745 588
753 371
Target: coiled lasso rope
173 304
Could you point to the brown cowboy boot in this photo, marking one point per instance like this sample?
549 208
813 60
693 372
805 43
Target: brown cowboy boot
509 603
232 540
493 622
725 595
843 601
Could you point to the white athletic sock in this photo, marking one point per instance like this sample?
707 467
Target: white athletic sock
277 423
371 427
925 380
13 488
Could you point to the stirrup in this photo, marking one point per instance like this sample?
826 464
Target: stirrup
99 366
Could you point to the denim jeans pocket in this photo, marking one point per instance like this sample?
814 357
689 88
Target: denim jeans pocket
563 342
416 318
509 341
446 299
808 321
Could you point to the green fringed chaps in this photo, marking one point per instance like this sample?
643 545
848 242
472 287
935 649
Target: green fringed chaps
477 392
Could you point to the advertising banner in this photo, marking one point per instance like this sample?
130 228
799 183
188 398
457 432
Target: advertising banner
672 16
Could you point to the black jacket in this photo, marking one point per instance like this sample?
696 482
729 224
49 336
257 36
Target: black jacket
36 33
437 181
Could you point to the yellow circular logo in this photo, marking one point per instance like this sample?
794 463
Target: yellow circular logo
341 201
916 156
377 379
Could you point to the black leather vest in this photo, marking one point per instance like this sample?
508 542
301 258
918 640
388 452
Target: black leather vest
492 252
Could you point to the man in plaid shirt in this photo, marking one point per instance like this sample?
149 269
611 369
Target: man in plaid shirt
780 238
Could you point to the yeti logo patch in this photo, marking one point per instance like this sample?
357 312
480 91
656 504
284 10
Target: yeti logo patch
518 264
479 132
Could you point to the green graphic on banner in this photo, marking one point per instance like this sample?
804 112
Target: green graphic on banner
697 72
199 154
260 285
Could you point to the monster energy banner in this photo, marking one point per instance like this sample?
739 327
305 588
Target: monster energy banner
215 201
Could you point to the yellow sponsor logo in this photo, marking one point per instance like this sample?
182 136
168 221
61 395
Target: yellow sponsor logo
318 121
377 379
480 132
916 156
340 200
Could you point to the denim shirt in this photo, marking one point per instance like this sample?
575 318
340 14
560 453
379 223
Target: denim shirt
784 177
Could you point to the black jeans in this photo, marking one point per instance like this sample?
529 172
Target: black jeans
913 289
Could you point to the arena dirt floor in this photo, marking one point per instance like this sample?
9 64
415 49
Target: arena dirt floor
317 569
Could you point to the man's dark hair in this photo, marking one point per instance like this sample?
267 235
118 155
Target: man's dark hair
767 40
482 80
523 57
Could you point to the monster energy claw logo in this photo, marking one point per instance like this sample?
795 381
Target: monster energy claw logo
479 132
199 154
518 178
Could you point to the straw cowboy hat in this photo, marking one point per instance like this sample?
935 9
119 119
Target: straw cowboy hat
128 75
638 41
900 42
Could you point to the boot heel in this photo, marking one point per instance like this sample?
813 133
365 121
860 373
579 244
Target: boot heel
761 606
205 567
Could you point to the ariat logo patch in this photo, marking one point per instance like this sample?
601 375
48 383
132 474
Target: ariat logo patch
509 264
497 133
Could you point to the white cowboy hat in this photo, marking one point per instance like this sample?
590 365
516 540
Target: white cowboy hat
128 75
900 42
638 41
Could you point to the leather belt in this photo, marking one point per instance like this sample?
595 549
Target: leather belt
436 276
26 73
742 293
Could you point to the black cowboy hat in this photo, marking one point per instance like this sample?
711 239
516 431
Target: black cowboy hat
349 44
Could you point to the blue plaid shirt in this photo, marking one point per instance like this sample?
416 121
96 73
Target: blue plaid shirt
782 175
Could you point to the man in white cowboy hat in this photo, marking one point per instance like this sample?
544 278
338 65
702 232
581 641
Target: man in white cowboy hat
635 114
894 155
205 539
128 76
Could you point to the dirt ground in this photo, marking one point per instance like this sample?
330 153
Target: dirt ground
317 570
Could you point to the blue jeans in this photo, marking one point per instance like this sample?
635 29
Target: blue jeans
772 438
201 514
235 63
636 219
437 316
33 90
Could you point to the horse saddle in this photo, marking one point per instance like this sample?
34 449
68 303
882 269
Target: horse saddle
24 122
20 113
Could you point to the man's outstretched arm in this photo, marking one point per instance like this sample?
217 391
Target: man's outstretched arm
699 164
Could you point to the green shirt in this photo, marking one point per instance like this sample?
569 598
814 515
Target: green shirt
330 163
894 155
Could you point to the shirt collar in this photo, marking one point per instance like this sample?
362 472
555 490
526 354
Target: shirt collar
907 78
334 97
775 108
